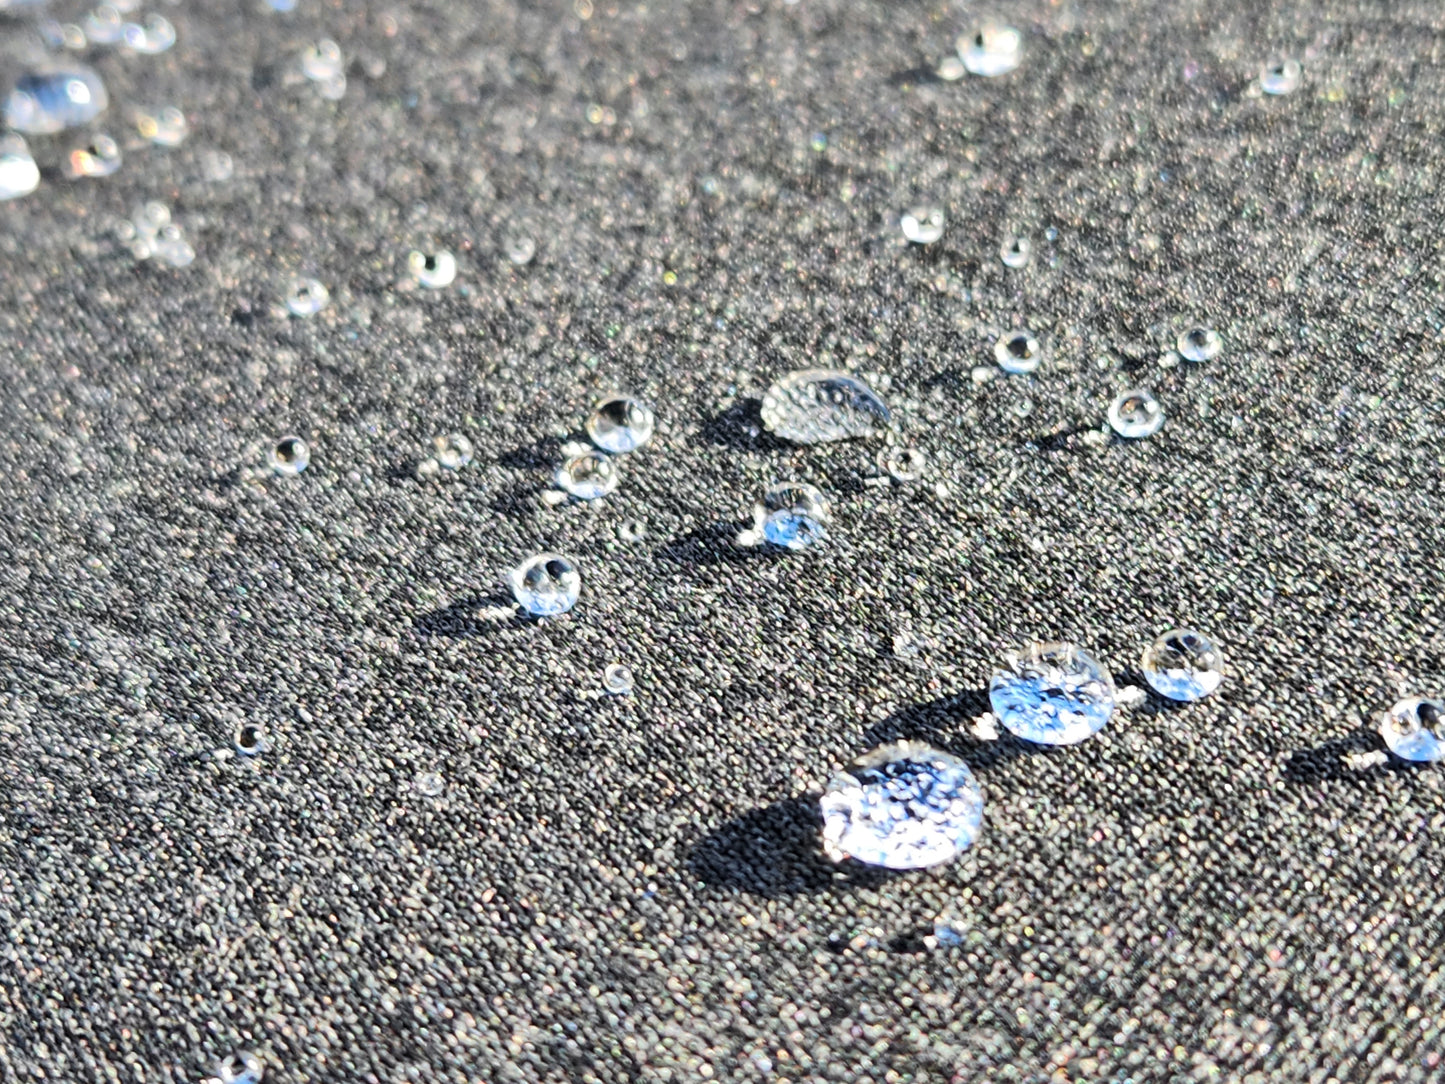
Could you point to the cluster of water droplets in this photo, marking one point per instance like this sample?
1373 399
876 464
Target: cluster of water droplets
149 232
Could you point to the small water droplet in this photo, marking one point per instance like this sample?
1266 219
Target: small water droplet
432 269
333 87
620 423
305 297
520 248
546 585
453 450
98 158
1015 251
632 530
1135 414
903 464
991 50
290 456
242 1067
1183 665
19 175
792 515
250 739
814 406
819 142
1017 353
922 225
104 25
1054 694
322 61
154 35
166 127
1280 76
1414 729
588 475
1023 406
950 69
429 784
51 100
617 679
1199 344
902 806
217 166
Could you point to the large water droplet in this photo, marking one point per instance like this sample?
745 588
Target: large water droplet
1199 344
432 269
813 406
991 50
306 297
922 225
1135 414
1414 729
19 175
902 806
322 61
1183 665
1018 353
49 101
1280 76
1054 694
588 476
289 456
620 423
546 585
793 515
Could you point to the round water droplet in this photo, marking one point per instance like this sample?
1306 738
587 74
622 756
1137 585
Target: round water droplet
1280 76
922 225
175 250
322 60
902 806
903 464
1414 729
546 585
19 175
242 1067
991 50
98 158
519 248
1183 665
305 297
333 87
104 25
1199 344
251 740
453 450
1015 251
620 423
1017 353
150 218
289 456
432 270
793 515
1135 414
48 101
950 69
588 476
632 530
814 406
1054 694
154 35
617 679
429 784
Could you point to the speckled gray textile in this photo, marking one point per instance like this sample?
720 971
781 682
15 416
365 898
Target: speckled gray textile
631 888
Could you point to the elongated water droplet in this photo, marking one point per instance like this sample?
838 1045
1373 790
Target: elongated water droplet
991 50
49 101
546 585
814 406
98 158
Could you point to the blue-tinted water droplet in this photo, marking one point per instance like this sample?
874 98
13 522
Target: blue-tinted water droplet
1414 729
1183 665
1054 694
588 476
546 585
46 102
1135 414
814 406
620 423
793 516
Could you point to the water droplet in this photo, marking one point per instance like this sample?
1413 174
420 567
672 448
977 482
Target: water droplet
950 69
632 530
432 270
1414 729
922 225
322 60
1015 251
173 249
19 175
305 297
1135 414
814 406
546 585
1199 344
453 450
150 218
104 25
617 679
1017 353
1054 694
251 740
620 423
588 475
903 806
429 784
819 142
243 1067
991 50
49 101
903 464
520 249
1183 665
166 127
217 166
333 87
290 456
792 515
283 6
155 35
98 158
1280 76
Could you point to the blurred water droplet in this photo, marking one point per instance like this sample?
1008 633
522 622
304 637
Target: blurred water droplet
814 406
793 516
154 35
1054 694
1199 344
150 218
174 249
242 1067
546 585
1017 353
433 270
453 450
49 101
1414 729
991 50
903 464
922 225
950 69
305 297
632 530
1135 414
322 60
289 456
98 158
520 248
617 679
104 25
250 739
217 166
166 127
1183 665
588 476
1280 76
19 175
333 87
1015 251
429 784
620 424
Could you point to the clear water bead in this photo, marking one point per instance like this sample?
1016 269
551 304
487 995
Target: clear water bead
155 35
289 456
620 423
1199 344
793 515
617 679
19 175
546 585
322 61
520 249
99 158
902 806
1280 76
588 476
991 50
453 450
243 1067
1054 694
903 464
250 740
430 784
1414 729
814 406
1015 252
922 225
1018 353
50 101
432 270
306 297
1135 414
1183 665
166 127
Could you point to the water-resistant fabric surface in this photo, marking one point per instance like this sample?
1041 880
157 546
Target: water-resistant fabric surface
630 888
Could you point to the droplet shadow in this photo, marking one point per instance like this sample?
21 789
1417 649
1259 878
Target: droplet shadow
1329 761
915 76
459 620
715 544
944 723
740 427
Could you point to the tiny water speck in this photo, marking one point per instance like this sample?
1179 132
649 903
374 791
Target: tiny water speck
430 784
289 456
1054 694
620 424
617 679
588 476
904 805
903 464
1183 664
432 269
1015 251
19 175
793 516
1280 76
250 739
991 50
54 99
1199 344
1135 414
100 157
242 1067
922 225
1017 353
1414 729
520 249
306 297
815 406
545 585
453 450
322 61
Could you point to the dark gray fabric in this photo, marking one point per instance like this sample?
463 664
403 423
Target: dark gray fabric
630 888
